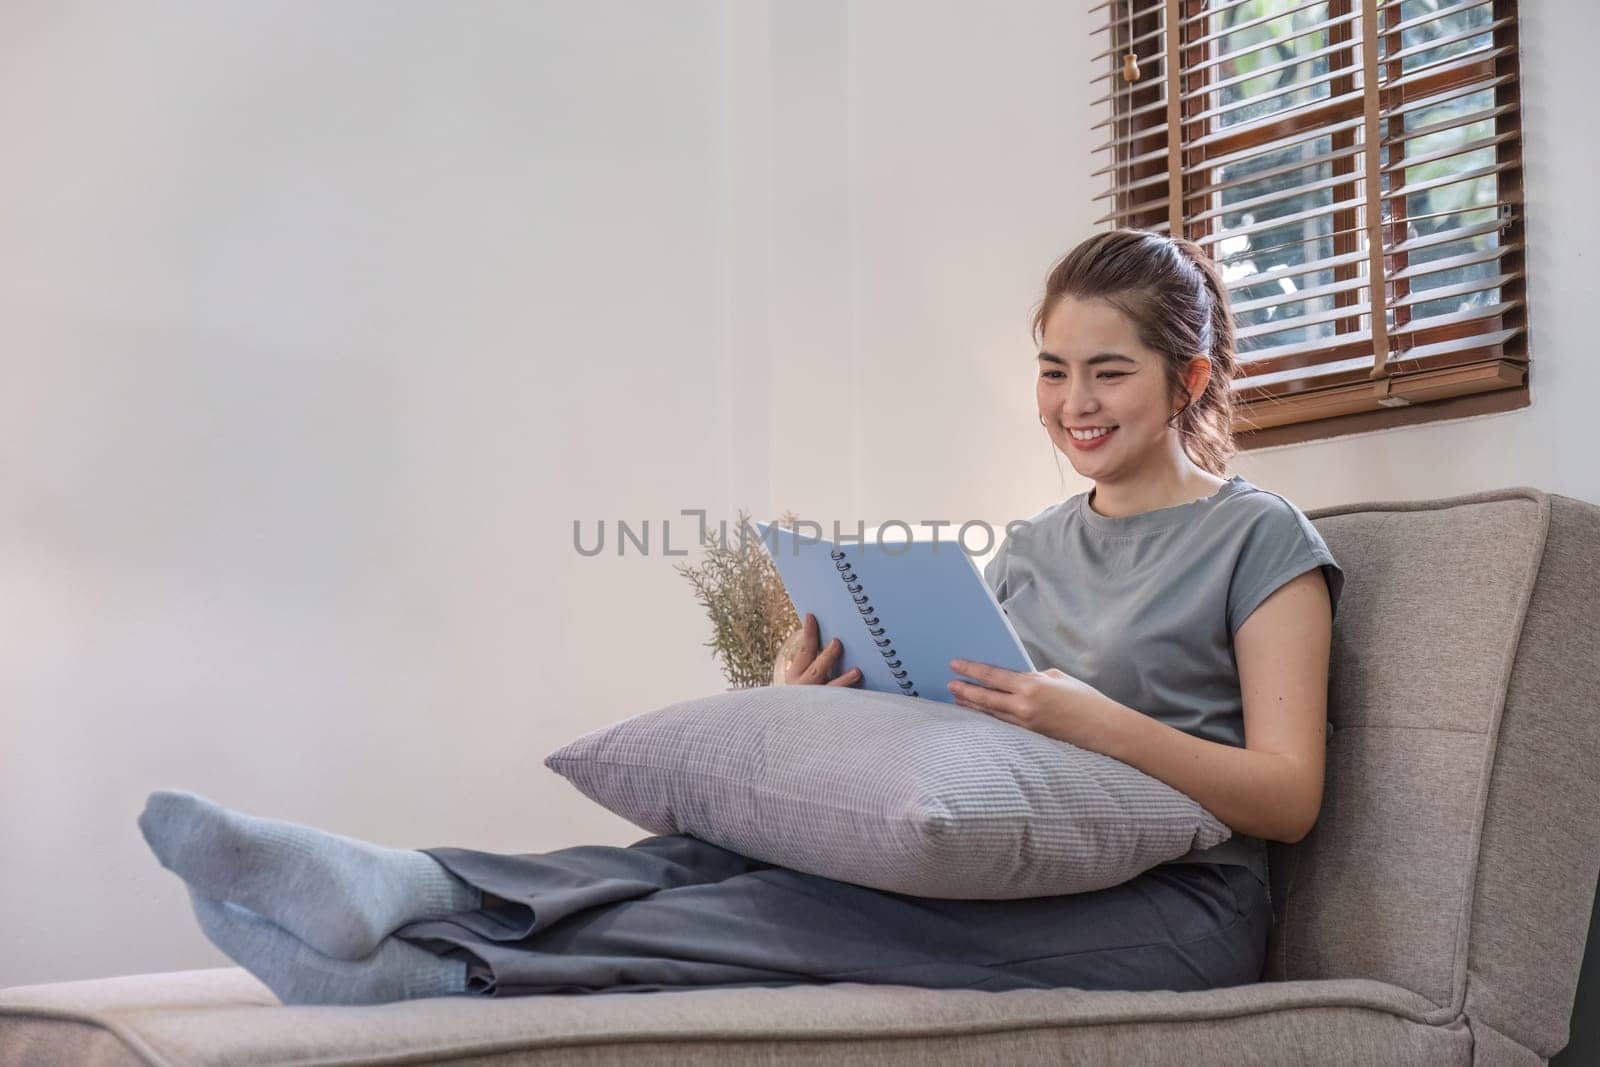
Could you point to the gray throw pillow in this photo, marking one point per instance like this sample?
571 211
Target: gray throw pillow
898 793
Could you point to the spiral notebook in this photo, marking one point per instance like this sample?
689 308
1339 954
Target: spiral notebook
901 610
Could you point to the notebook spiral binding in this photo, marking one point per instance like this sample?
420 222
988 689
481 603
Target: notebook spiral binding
869 617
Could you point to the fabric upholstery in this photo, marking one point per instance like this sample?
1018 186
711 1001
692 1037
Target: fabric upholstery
1458 847
1539 827
893 792
225 1016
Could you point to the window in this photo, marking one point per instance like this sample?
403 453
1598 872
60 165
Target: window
1361 190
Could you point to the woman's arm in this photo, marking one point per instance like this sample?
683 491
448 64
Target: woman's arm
1271 788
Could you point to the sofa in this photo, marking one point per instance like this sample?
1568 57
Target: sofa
1436 914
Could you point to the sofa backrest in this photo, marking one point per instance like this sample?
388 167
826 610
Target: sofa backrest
1458 845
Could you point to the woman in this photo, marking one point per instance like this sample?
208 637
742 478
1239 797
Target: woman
1186 621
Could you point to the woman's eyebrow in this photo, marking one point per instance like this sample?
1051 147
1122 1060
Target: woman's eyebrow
1103 357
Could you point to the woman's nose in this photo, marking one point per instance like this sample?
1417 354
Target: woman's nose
1081 399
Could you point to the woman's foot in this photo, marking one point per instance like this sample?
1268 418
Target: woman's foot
339 895
298 975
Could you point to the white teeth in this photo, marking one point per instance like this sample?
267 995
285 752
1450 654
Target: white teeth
1089 435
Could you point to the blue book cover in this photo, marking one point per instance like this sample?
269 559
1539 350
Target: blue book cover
902 610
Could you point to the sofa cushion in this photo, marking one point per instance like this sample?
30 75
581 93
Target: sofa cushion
898 793
225 1016
1458 846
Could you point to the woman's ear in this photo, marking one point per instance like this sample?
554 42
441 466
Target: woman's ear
1198 376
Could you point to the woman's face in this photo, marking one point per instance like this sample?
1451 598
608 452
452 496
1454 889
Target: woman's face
1094 376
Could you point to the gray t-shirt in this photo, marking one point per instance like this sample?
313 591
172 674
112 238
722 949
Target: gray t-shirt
1144 607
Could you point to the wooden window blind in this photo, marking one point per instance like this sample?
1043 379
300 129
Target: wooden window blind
1355 167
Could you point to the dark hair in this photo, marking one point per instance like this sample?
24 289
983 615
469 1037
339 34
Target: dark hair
1174 294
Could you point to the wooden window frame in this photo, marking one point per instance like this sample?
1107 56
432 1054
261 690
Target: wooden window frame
1394 389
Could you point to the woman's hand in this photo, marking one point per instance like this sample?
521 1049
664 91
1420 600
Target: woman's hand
1049 702
811 667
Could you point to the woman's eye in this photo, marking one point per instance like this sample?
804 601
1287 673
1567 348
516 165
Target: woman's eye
1103 375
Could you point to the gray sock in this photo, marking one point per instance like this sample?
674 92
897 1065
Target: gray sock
297 974
339 895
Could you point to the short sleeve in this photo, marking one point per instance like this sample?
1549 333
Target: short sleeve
1279 546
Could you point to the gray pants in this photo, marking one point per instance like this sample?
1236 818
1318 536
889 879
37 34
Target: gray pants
672 912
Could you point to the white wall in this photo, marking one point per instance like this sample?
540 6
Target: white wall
320 325
930 161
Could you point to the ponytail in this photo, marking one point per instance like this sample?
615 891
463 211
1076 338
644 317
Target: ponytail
1207 423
